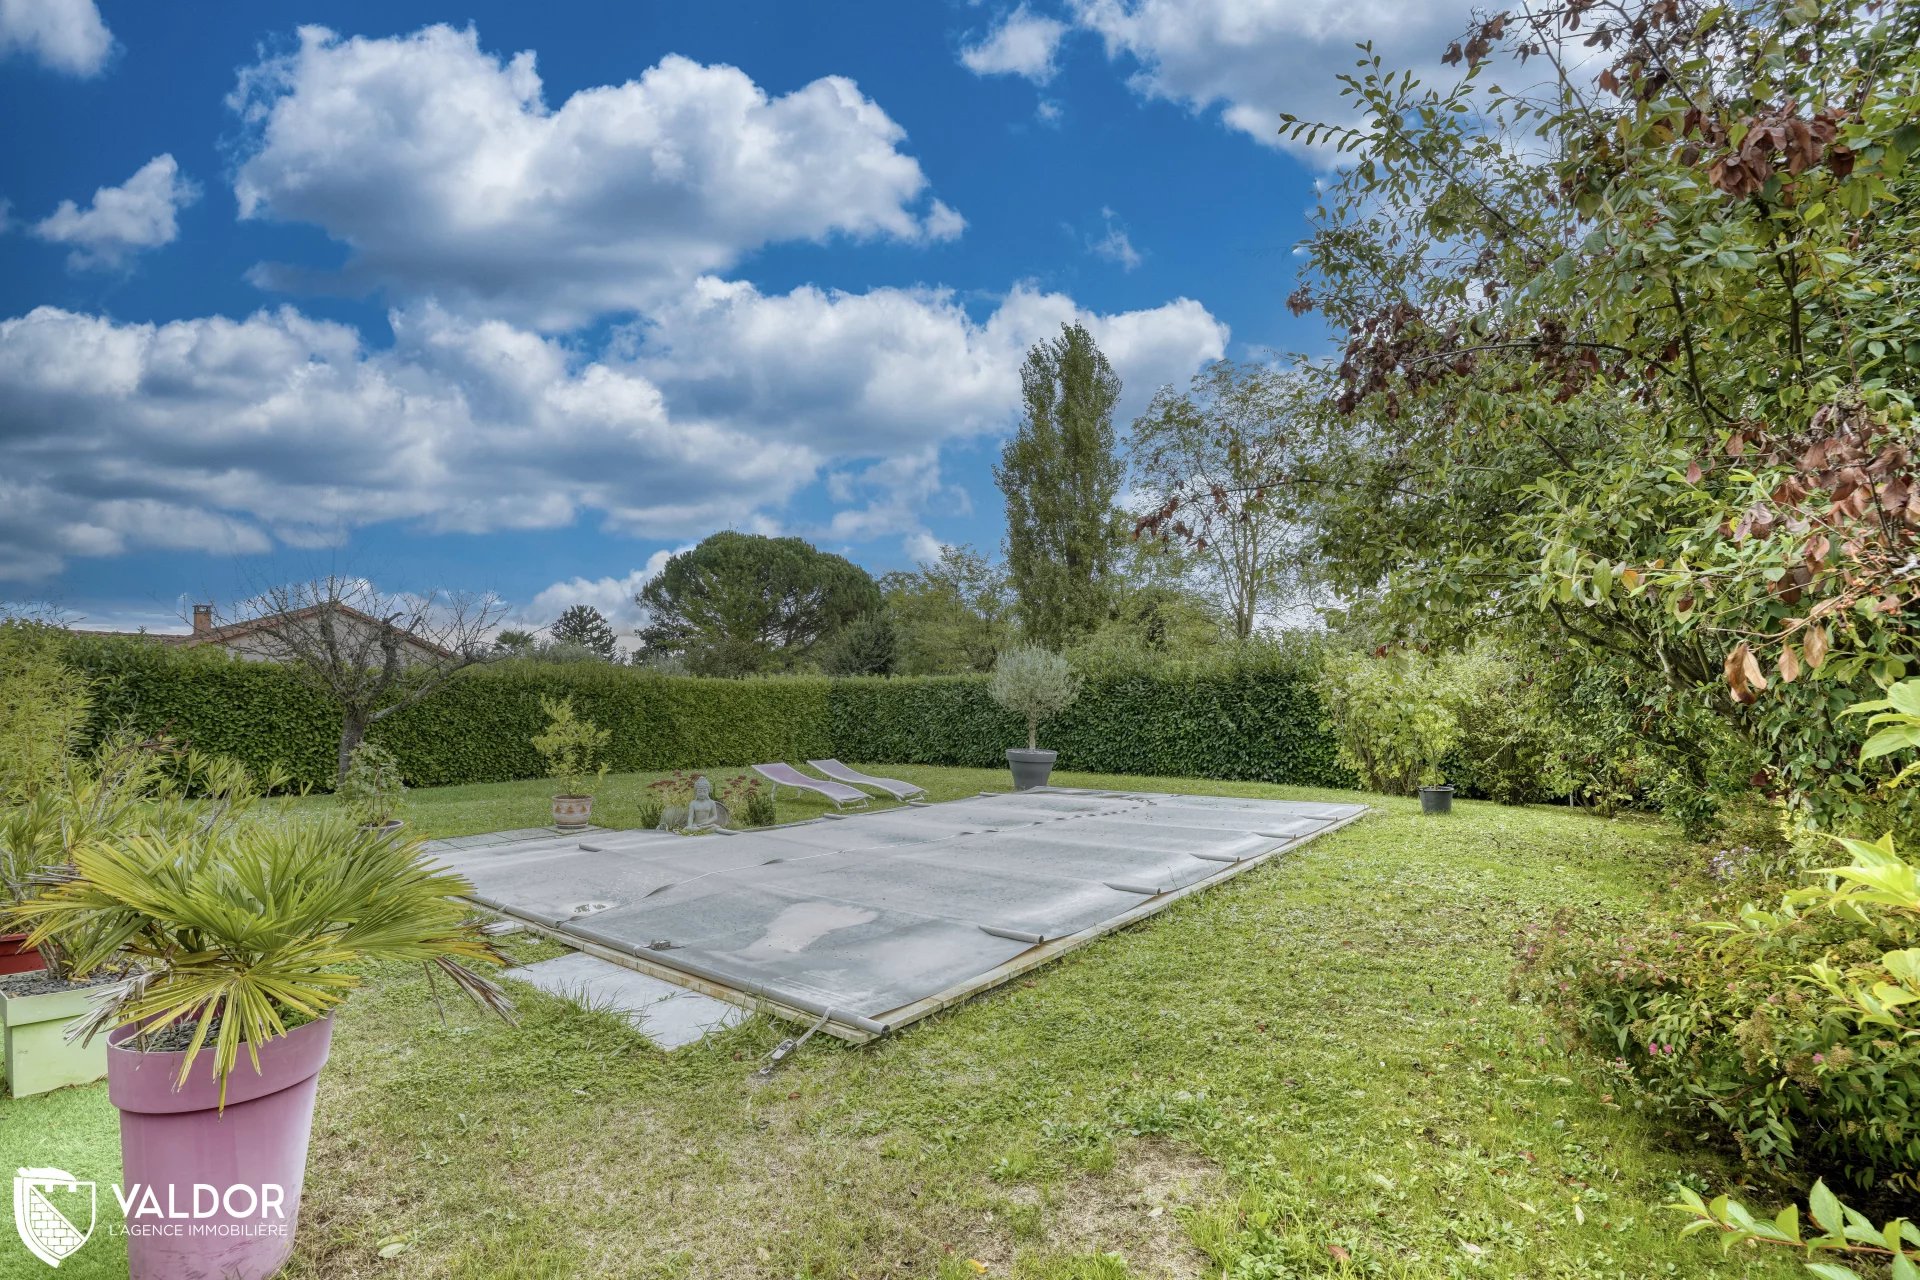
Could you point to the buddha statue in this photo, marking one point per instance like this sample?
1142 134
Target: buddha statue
703 814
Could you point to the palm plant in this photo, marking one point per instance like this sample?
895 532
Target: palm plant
246 929
90 799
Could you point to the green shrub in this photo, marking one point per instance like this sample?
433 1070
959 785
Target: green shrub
749 801
1252 715
372 790
571 746
44 709
1712 1016
1504 726
1392 716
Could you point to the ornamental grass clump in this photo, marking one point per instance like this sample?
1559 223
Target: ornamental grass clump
1033 683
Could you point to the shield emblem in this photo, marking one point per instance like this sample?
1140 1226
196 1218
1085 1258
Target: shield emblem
53 1212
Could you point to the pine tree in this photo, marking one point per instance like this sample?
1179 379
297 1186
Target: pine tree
584 626
1061 476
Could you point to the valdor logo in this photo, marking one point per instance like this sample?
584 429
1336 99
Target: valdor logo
47 1211
45 1206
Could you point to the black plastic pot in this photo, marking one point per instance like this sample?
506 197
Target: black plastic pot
1436 799
1030 768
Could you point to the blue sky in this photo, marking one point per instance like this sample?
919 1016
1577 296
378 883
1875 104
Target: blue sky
521 298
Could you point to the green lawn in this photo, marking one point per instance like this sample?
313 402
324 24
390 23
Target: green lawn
1312 1070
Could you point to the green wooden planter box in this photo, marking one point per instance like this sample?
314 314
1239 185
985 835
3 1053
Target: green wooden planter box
38 1058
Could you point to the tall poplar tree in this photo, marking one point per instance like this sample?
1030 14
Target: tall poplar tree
1061 475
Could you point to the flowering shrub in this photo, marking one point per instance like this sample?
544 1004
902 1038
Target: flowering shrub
1714 1017
675 788
749 801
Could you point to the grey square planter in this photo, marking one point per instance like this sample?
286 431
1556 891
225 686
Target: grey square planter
38 1058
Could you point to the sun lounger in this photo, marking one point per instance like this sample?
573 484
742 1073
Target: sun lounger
785 775
841 773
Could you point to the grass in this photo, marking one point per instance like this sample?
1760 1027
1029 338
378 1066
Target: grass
1310 1071
438 812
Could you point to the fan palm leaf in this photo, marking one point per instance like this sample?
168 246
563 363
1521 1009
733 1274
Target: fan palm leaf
237 927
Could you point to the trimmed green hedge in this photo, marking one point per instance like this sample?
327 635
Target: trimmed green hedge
1253 720
1248 723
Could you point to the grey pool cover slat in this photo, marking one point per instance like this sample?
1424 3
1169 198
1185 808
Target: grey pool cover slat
878 912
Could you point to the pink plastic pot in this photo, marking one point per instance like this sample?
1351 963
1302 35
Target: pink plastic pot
213 1193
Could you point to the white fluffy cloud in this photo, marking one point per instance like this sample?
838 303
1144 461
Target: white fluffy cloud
883 373
1258 58
612 596
446 173
231 435
218 434
1023 43
66 35
894 496
140 213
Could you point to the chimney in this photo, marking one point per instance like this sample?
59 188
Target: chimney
202 619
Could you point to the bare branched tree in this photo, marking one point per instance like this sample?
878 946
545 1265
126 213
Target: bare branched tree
370 652
1223 464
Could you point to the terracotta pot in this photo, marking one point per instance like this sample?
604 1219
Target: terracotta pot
17 957
215 1192
570 813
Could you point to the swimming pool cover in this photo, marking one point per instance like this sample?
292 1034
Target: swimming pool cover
875 919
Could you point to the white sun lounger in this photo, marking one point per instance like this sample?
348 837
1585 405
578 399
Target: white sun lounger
785 775
892 786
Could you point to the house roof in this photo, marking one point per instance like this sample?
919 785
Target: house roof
272 622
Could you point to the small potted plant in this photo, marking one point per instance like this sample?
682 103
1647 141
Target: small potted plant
243 937
1433 730
571 746
37 1002
372 791
1036 684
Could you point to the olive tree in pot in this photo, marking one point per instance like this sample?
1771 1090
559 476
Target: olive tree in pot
242 937
1037 684
372 790
571 746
